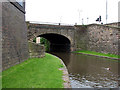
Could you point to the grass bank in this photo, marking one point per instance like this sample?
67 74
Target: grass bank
34 73
98 54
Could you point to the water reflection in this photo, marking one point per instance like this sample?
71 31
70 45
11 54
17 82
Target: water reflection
90 71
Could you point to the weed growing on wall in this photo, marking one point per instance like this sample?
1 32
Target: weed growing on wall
46 43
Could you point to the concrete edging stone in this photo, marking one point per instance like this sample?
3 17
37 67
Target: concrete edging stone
65 76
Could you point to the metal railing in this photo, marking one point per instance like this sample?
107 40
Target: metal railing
50 23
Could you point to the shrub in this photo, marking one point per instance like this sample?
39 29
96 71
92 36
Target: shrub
46 43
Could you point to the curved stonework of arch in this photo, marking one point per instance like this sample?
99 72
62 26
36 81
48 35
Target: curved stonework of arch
35 30
40 34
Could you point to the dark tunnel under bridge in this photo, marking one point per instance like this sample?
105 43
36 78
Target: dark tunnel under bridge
58 43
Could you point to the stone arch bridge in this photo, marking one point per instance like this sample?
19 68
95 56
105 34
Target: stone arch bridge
94 37
61 37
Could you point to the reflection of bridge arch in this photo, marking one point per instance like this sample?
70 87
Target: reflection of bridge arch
57 42
61 36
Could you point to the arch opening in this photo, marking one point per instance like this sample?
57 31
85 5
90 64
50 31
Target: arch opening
58 43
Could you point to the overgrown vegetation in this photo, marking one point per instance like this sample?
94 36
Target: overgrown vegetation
46 43
34 40
34 73
85 26
98 54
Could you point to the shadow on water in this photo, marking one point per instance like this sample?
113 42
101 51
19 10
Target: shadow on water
90 71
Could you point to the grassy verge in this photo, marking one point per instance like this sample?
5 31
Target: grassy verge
34 73
0 80
97 54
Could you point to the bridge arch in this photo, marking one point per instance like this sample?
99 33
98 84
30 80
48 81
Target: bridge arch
65 33
58 43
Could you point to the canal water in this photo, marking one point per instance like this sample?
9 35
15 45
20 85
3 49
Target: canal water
87 71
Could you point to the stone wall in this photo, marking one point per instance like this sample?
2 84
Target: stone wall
103 39
36 50
81 38
98 38
117 24
14 32
0 41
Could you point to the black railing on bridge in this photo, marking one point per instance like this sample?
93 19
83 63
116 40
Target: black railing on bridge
50 23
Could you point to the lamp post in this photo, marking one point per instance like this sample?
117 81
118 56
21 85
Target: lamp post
79 11
106 11
87 20
82 21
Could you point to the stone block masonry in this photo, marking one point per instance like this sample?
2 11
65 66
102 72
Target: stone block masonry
98 38
103 39
81 38
14 36
36 50
117 24
0 51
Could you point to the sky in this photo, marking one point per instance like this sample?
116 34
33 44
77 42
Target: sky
71 11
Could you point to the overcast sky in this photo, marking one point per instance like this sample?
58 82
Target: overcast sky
71 11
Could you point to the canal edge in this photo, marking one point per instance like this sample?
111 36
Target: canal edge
100 56
65 76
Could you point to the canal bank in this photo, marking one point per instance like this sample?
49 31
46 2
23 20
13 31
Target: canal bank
110 56
65 76
86 71
36 73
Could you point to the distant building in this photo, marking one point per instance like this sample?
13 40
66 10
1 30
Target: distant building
38 40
